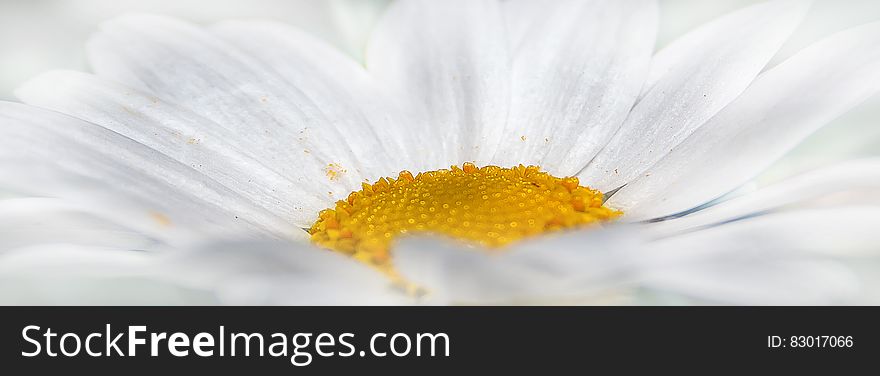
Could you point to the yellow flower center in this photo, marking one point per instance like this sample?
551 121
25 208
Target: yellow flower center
489 206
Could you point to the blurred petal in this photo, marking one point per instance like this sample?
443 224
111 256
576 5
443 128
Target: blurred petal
57 258
579 267
354 19
859 179
690 81
236 273
576 73
802 257
449 60
59 274
799 257
33 221
518 17
781 108
279 273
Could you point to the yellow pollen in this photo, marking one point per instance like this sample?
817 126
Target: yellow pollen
489 206
334 171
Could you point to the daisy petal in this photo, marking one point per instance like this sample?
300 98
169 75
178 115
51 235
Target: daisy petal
331 80
839 182
180 134
518 18
80 275
276 121
800 257
49 154
690 81
577 71
781 108
226 273
353 21
278 273
449 60
578 266
32 221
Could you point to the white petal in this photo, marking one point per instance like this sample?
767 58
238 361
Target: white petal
578 267
576 73
278 273
76 275
48 154
740 278
273 119
806 257
331 80
237 273
860 178
690 81
52 259
518 18
799 257
32 221
449 60
353 20
781 108
181 135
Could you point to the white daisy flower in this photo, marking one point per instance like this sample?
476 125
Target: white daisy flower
232 157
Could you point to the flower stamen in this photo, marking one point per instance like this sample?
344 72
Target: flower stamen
489 206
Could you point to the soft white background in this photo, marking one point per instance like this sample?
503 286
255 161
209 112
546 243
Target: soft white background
39 35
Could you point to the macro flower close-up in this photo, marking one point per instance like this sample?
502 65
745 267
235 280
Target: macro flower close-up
475 152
